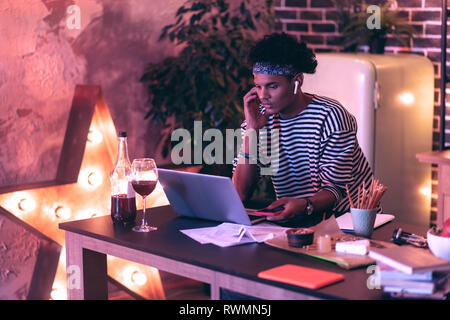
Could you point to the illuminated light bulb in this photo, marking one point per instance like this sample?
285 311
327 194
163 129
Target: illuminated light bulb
87 214
425 191
138 278
133 276
58 292
26 204
407 98
94 178
62 212
94 136
62 256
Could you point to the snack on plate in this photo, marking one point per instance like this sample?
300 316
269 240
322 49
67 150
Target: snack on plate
299 237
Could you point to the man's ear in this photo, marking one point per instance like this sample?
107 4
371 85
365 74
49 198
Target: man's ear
299 77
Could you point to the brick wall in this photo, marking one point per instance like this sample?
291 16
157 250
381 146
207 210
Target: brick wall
314 21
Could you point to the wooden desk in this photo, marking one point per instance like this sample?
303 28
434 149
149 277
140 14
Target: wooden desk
442 160
234 268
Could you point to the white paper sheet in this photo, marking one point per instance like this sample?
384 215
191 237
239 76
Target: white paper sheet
231 234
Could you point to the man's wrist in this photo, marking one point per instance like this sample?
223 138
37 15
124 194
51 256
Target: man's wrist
251 126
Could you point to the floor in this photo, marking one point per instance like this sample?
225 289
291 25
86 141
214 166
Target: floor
175 288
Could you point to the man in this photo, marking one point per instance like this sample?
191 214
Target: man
318 151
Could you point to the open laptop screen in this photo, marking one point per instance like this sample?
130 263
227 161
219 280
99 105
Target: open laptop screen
203 196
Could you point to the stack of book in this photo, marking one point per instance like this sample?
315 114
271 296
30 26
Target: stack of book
409 272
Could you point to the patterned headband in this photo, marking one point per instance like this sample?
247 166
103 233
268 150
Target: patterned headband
274 69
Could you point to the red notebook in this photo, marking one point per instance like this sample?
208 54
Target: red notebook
301 276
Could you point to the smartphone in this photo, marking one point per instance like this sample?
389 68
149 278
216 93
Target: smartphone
267 212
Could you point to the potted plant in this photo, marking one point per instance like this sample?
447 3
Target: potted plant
208 78
357 30
345 12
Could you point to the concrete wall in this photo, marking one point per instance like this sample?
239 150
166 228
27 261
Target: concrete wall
18 252
43 55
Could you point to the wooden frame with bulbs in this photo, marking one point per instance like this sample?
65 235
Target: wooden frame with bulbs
81 190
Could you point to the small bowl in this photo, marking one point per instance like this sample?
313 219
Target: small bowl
299 237
439 246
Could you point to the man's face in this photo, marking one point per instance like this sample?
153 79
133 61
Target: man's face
275 92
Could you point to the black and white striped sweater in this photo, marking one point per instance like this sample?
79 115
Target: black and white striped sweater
318 150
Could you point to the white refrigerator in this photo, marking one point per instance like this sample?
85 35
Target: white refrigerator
391 97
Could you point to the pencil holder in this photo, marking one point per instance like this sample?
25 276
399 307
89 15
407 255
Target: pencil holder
363 221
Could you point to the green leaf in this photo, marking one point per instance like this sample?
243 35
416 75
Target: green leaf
223 5
181 10
242 8
224 19
220 79
198 6
209 76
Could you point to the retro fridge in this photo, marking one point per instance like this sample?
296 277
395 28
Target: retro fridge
391 97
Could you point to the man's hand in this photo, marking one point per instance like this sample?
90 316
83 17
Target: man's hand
292 207
254 118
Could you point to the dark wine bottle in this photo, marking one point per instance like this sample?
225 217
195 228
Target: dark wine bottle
123 197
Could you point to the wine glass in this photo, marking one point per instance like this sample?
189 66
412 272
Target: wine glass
144 176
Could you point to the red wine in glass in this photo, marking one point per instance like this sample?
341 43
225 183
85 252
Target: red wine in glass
144 187
144 177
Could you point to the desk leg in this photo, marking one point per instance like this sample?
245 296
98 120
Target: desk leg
215 291
86 271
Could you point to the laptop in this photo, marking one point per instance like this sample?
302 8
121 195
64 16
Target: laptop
204 196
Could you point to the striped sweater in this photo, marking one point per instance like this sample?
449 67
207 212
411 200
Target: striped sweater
317 150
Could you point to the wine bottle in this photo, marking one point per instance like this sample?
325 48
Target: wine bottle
123 196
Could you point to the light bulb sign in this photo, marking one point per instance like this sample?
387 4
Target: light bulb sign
80 189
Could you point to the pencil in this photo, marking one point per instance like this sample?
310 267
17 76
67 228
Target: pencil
349 197
357 201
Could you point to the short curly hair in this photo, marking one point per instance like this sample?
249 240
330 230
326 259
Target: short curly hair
283 49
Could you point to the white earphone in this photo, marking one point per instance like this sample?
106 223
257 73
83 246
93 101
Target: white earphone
296 86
